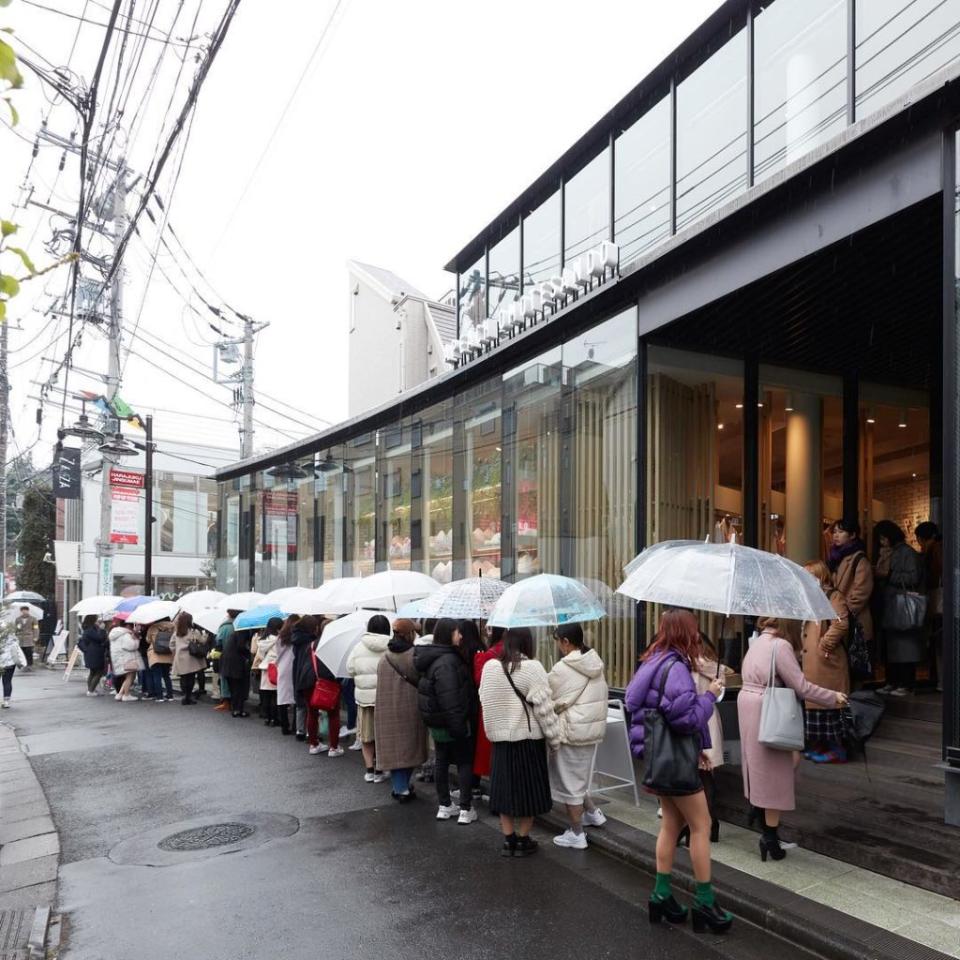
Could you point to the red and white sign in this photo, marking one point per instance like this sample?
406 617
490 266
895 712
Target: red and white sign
125 487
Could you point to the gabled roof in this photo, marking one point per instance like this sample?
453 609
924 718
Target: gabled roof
387 280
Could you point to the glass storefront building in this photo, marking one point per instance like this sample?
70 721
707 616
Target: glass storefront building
776 349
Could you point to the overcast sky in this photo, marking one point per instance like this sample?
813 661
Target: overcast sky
416 124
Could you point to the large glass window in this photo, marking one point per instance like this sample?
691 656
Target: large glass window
800 90
712 132
479 412
180 519
330 483
586 207
504 273
601 376
642 183
301 570
541 242
472 295
395 491
900 44
361 466
533 390
279 506
437 427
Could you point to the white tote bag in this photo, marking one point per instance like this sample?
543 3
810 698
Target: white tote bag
781 713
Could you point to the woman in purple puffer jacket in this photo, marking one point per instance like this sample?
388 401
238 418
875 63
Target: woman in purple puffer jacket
676 649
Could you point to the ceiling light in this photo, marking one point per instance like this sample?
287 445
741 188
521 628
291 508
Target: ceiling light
902 421
789 404
719 426
871 415
739 406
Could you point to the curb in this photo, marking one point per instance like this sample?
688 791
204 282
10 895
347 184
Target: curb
810 925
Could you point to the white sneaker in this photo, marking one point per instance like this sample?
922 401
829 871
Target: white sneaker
6 704
116 696
335 752
129 699
379 776
346 731
578 841
356 745
900 692
369 777
90 693
594 818
446 812
467 816
319 748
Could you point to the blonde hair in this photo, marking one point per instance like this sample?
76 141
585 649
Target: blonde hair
790 630
821 571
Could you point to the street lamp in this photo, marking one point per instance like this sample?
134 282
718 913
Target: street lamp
116 445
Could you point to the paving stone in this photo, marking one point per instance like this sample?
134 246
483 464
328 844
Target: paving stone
31 848
28 873
22 829
28 794
36 895
12 812
15 780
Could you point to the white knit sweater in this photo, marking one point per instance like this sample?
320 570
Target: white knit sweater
504 717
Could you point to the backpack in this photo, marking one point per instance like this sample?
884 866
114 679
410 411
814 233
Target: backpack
162 643
197 646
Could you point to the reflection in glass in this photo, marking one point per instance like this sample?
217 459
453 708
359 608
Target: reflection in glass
711 132
438 491
586 207
541 242
395 487
472 296
800 95
329 487
601 374
361 467
179 520
504 273
482 463
302 563
279 505
534 388
642 183
900 44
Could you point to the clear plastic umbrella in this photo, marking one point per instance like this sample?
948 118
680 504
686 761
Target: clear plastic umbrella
337 596
98 605
198 600
471 599
28 595
341 636
153 611
545 600
393 588
11 614
725 578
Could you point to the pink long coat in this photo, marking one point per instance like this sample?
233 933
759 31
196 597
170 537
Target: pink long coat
768 775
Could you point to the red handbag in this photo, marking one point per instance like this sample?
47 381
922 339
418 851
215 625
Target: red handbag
325 695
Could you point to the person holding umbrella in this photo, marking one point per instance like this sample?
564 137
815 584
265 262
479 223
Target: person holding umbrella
26 630
223 635
189 655
11 657
235 669
95 649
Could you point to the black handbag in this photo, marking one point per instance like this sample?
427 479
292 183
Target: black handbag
672 760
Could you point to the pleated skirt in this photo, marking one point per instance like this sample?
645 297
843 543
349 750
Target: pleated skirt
519 779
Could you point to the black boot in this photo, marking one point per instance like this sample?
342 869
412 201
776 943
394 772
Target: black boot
712 917
667 909
770 844
526 847
509 848
755 815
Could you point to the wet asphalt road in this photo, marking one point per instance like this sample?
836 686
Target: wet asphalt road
341 871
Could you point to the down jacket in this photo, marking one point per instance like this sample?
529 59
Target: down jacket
445 693
362 666
124 651
529 716
683 708
579 693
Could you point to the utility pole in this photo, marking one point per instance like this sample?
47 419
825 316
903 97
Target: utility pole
246 443
148 511
244 397
105 549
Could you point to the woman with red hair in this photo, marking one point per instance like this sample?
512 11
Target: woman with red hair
664 682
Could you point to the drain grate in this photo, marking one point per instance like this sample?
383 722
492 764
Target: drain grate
206 837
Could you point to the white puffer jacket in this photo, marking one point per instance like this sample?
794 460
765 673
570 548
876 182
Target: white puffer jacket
362 666
505 718
125 651
580 696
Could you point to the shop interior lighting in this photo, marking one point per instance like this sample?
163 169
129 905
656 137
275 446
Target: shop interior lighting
902 421
871 415
789 404
719 426
739 406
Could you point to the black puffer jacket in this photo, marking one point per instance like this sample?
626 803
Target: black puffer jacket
236 657
95 647
304 676
446 694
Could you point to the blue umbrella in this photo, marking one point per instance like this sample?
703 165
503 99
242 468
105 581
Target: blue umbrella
126 607
256 617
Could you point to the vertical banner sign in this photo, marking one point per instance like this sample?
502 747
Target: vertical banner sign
66 474
106 574
125 487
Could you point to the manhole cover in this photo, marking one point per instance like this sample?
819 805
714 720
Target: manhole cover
207 837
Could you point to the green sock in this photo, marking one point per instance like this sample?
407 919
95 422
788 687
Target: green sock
661 889
704 895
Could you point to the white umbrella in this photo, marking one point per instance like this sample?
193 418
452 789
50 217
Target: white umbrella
393 588
338 595
24 595
341 636
153 611
725 578
211 619
98 605
545 600
199 600
283 594
10 615
470 599
306 602
241 601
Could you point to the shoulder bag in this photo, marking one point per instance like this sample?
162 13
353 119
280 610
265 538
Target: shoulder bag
399 672
325 695
781 713
197 647
671 759
523 699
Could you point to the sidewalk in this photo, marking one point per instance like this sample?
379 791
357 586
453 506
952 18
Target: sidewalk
29 853
828 906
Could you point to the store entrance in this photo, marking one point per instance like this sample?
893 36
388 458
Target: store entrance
809 396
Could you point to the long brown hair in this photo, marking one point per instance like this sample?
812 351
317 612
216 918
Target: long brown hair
286 631
679 633
789 630
184 622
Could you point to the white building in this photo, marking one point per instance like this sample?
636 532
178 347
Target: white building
396 339
184 529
